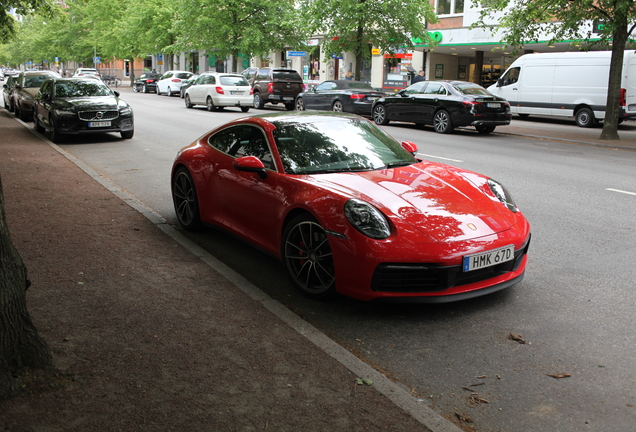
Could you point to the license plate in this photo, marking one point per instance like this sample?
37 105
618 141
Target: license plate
237 93
631 108
288 98
493 105
489 258
99 124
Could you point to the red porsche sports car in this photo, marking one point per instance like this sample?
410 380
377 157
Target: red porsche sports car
350 210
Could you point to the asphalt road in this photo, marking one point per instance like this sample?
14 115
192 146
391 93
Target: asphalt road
576 369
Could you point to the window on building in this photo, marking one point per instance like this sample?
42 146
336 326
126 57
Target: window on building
449 7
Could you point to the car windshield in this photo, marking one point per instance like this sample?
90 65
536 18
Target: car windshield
233 80
471 89
34 81
71 89
310 146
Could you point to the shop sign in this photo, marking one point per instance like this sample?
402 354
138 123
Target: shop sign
436 36
375 51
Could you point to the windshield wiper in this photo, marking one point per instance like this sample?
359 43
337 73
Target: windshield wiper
398 164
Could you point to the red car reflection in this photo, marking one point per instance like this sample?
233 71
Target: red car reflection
350 210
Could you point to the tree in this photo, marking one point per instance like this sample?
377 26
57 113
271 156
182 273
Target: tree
21 7
358 25
20 344
232 27
526 21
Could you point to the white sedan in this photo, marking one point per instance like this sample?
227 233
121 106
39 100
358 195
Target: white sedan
220 90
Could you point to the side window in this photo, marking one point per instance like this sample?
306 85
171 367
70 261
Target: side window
262 75
323 86
415 88
239 141
434 88
511 76
200 80
46 87
211 79
167 75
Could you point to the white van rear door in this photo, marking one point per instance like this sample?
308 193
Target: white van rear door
629 81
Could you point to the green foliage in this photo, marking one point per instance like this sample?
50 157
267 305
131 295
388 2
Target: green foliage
356 25
22 7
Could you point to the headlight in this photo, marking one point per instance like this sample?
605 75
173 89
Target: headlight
60 112
367 219
125 110
502 194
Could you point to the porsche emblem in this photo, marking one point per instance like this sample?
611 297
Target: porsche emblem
472 227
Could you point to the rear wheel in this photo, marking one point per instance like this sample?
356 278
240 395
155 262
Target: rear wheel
379 115
210 104
484 129
307 257
585 118
290 106
337 106
158 91
245 109
300 104
135 89
145 88
184 197
258 102
442 122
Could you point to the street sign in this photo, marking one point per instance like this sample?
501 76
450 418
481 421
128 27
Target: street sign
96 60
296 53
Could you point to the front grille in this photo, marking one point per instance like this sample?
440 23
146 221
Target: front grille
98 115
421 278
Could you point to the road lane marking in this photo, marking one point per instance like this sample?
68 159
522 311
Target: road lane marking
620 191
439 157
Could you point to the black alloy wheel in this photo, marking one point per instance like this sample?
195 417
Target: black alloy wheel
442 122
379 115
307 257
184 197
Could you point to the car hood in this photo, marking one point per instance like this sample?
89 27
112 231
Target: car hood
442 202
96 103
31 91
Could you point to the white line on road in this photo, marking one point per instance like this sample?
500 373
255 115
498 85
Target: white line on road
620 191
439 157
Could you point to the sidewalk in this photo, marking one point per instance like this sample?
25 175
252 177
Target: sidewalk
149 337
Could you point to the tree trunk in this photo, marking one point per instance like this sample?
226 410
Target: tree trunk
20 344
360 53
619 39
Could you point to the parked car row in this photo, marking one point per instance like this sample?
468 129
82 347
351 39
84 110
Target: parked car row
67 106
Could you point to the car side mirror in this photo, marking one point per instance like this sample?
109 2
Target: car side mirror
250 164
45 95
409 147
116 93
500 82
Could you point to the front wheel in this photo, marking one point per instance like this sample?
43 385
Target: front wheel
210 104
135 89
56 136
145 88
127 134
484 129
36 124
188 103
307 257
186 202
585 118
158 91
442 122
337 106
379 115
169 92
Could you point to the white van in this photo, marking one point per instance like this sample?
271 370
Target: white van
570 84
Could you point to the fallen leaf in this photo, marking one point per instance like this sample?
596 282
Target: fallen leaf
517 338
562 375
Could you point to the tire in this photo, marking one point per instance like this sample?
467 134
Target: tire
210 104
300 104
169 92
185 200
56 137
442 122
307 257
36 124
379 115
145 88
16 111
258 102
485 129
188 104
524 115
158 91
135 89
337 106
127 134
245 109
585 118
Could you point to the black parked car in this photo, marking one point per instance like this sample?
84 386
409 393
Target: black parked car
187 84
71 106
146 82
7 92
445 105
26 87
339 95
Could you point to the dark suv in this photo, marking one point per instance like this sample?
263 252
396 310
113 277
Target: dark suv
27 85
276 85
